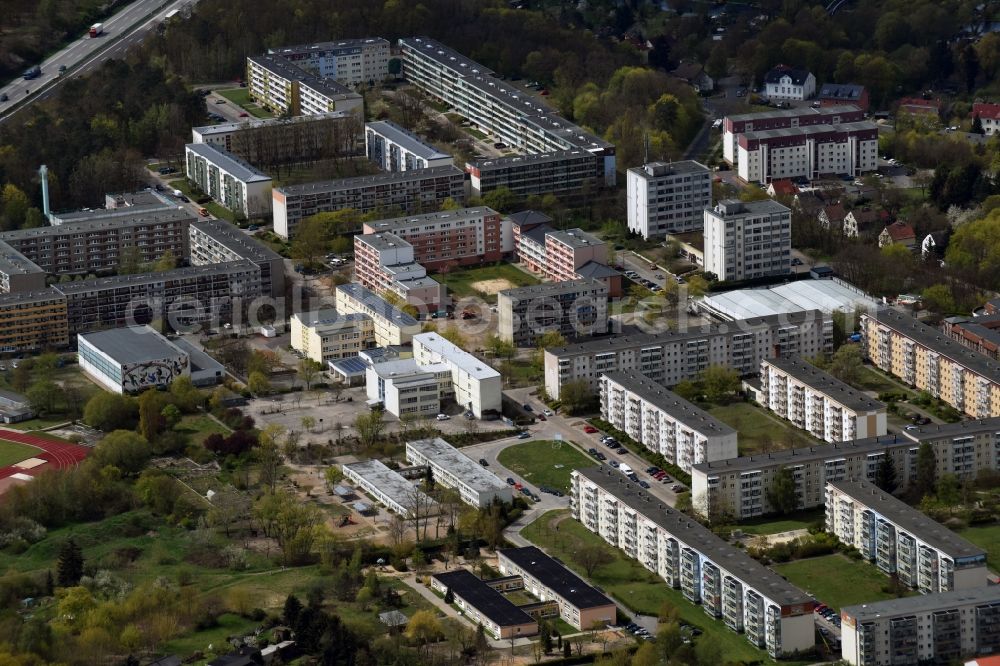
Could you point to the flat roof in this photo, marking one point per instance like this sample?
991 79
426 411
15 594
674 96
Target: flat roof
131 202
692 333
396 224
382 240
822 128
412 175
937 341
114 281
909 519
825 383
751 572
328 318
551 289
667 401
735 207
132 344
556 577
389 481
330 46
923 603
406 139
499 609
444 454
533 158
794 113
289 70
476 368
575 238
115 219
200 360
13 262
378 304
239 169
24 297
827 295
659 169
234 240
256 123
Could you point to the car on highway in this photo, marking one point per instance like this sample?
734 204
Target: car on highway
3 97
589 429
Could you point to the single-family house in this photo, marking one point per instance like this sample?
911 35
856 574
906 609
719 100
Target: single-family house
831 216
933 244
836 94
782 187
989 116
784 82
695 75
898 233
861 220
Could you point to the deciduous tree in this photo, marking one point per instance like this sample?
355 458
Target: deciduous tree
782 494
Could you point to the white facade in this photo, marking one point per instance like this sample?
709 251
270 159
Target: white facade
667 198
405 387
349 61
390 325
131 360
393 148
807 152
476 485
228 180
818 402
902 541
729 585
282 86
664 422
746 240
327 335
789 84
389 488
477 386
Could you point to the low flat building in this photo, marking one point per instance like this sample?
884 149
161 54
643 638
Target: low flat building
33 321
230 181
483 605
14 407
668 198
575 309
389 488
738 486
131 360
580 604
929 628
267 141
902 541
391 325
980 334
827 295
563 171
729 585
664 422
475 386
326 335
818 402
476 485
205 370
218 241
414 192
393 148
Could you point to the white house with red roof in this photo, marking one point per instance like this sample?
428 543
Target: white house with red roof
989 115
898 233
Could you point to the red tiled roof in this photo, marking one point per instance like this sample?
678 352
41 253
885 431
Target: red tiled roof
986 110
899 231
784 186
835 212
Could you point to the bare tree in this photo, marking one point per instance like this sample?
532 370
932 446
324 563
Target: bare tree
370 427
420 507
591 556
397 530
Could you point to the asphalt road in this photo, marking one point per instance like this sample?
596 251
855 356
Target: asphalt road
121 32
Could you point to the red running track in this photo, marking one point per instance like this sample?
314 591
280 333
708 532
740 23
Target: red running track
57 454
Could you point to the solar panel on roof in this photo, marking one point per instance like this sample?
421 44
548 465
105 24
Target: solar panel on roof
350 366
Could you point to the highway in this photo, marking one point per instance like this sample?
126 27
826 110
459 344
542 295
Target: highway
121 32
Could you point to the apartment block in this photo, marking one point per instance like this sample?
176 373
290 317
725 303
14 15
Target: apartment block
729 585
667 198
181 297
326 335
391 325
738 486
735 125
450 238
118 205
580 604
98 243
673 356
350 62
230 181
384 262
576 308
664 422
476 485
902 541
289 139
748 239
411 191
284 88
476 386
483 604
394 148
925 629
404 387
818 402
389 488
925 358
816 151
218 242
521 121
33 321
540 173
18 273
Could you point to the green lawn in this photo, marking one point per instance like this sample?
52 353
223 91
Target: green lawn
546 463
871 379
987 538
12 452
197 427
837 581
760 431
633 585
36 424
800 521
229 625
460 282
241 97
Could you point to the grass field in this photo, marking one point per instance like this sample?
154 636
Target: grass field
13 452
241 97
197 427
987 538
544 463
836 580
760 431
633 585
460 281
800 521
873 380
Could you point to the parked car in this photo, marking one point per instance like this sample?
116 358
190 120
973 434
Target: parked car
526 407
443 417
547 412
592 451
677 488
484 462
524 435
615 464
601 456
644 484
589 429
510 481
541 417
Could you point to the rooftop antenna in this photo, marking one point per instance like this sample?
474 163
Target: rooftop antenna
43 174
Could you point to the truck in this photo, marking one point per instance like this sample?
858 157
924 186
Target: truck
625 469
32 73
96 29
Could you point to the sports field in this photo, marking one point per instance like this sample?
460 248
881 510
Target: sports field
12 453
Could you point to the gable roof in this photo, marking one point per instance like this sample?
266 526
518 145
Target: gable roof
835 212
783 186
798 76
841 91
986 110
865 215
900 231
688 71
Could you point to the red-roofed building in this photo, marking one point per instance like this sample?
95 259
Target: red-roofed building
984 661
898 233
920 106
782 188
989 115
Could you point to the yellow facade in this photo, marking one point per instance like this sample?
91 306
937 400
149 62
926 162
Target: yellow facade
33 321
